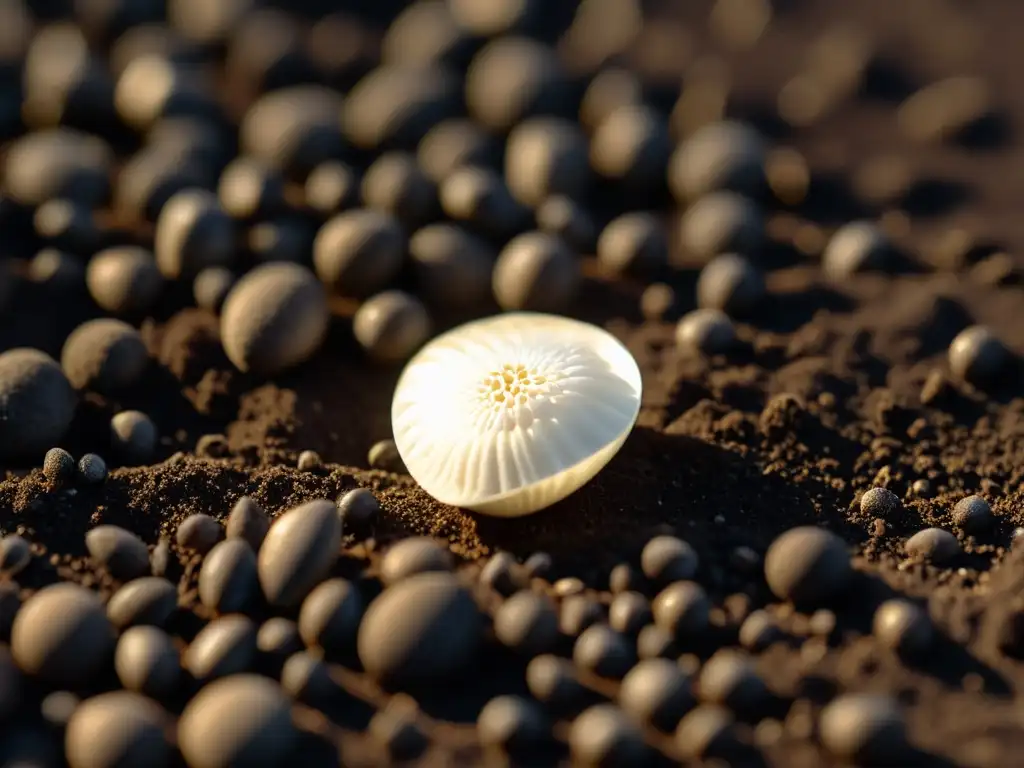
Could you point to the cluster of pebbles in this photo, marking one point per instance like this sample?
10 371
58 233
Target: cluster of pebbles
303 181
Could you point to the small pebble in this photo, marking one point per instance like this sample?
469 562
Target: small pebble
118 550
611 89
140 726
67 225
721 222
92 469
632 146
527 623
147 662
552 680
262 734
857 247
224 647
300 549
384 455
37 402
359 252
249 189
880 502
624 577
124 280
808 566
199 532
148 600
514 725
193 232
706 731
331 188
396 730
629 612
903 626
633 244
279 637
732 284
729 679
274 318
306 678
538 565
566 218
725 155
247 520
546 156
479 199
666 559
408 557
395 184
358 509
228 581
867 728
105 354
656 692
160 559
391 326
58 707
425 628
133 435
15 554
977 356
452 267
58 271
973 514
69 652
211 287
330 616
604 652
758 631
603 736
454 144
682 609
309 461
933 544
654 642
577 612
536 272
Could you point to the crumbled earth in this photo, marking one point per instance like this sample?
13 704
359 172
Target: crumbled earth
835 389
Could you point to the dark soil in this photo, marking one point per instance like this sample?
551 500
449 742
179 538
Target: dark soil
826 399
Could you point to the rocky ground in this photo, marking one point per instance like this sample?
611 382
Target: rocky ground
843 378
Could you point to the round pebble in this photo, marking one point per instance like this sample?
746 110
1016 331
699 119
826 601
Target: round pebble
211 287
633 244
15 554
309 461
730 283
146 601
632 146
124 280
566 218
808 566
536 272
120 551
298 552
721 222
37 402
729 679
358 509
454 144
654 642
546 156
359 252
279 637
228 581
629 612
425 628
705 731
67 225
666 559
867 728
656 692
973 514
147 662
860 246
306 678
262 731
682 609
527 623
249 189
705 332
977 356
479 199
758 631
514 725
725 155
58 271
552 681
933 544
226 646
603 736
577 612
903 626
396 730
199 533
193 232
133 436
331 188
395 184
408 557
68 652
452 266
59 467
118 728
330 616
247 521
384 455
391 326
602 651
58 163
92 469
275 317
105 354
880 502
